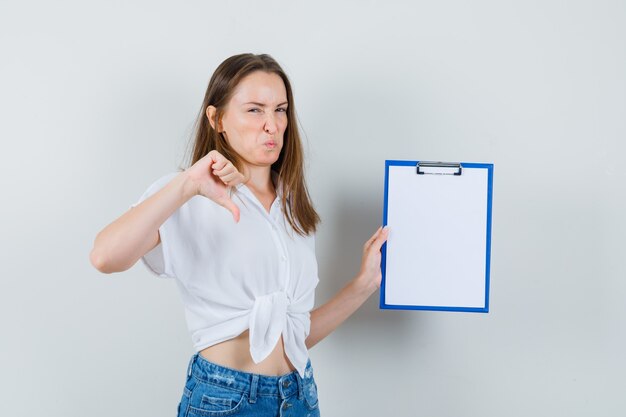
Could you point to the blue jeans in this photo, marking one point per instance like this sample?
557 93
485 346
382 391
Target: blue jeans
214 390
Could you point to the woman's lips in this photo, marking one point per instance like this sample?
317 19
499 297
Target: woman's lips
270 144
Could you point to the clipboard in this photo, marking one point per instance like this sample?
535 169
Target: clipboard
438 252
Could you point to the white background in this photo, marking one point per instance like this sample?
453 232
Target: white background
97 100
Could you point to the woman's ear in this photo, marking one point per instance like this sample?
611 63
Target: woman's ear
211 111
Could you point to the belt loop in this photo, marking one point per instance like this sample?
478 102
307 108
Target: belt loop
193 357
253 387
300 384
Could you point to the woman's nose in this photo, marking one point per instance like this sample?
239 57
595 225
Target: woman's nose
270 125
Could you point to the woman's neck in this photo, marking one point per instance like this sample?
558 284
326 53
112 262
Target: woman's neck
260 181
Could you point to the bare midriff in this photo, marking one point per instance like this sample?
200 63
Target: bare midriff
235 354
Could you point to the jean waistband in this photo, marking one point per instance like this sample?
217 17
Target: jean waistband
255 384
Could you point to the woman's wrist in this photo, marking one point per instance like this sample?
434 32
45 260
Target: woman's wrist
363 286
188 185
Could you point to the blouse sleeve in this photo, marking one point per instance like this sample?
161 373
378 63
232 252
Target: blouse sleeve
160 260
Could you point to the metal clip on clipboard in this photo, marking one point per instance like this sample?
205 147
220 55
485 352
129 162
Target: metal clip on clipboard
440 168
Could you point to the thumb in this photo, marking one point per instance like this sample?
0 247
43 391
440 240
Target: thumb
232 207
383 234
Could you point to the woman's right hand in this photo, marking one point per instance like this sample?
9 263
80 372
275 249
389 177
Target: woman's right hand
213 175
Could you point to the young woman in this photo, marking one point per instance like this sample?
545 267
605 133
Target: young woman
236 232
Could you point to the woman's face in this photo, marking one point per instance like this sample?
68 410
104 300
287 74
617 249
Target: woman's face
255 118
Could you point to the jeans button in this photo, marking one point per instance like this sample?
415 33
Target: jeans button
286 384
286 406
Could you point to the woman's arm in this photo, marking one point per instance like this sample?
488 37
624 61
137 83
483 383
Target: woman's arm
326 318
120 245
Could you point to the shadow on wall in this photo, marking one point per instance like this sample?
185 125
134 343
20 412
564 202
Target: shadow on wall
356 216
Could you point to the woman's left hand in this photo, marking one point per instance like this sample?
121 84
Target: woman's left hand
370 275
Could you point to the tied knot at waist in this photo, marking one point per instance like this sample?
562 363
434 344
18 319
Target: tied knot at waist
272 315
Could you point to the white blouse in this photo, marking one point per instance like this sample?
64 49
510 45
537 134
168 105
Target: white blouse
257 274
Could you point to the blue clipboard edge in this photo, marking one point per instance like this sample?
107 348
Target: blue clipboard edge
383 262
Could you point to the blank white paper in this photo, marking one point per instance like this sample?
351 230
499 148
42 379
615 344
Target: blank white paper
437 246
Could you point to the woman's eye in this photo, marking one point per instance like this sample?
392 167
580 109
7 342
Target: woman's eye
255 110
281 109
